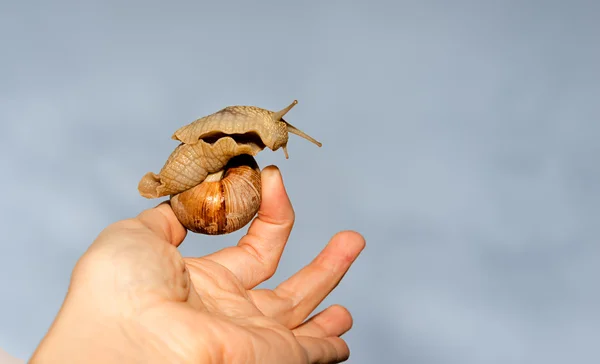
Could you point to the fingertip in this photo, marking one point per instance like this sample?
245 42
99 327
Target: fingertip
344 350
342 311
177 231
271 177
351 237
325 350
276 206
271 169
342 317
162 220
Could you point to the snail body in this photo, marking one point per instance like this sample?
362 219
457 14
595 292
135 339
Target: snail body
212 177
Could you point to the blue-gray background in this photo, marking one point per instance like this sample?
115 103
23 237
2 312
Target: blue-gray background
461 138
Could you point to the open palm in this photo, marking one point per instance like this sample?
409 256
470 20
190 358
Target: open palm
208 309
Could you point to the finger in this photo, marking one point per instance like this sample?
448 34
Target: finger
325 350
162 221
333 321
304 291
257 255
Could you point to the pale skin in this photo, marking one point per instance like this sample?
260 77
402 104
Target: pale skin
134 299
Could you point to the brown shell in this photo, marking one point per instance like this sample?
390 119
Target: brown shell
224 205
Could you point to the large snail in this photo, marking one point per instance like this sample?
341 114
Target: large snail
212 177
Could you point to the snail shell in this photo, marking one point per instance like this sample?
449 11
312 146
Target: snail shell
212 177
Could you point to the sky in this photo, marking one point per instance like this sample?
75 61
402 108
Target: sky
460 138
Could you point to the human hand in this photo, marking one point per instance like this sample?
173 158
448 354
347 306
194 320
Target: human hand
133 298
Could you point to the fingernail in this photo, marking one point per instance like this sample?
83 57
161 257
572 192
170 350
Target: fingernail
271 171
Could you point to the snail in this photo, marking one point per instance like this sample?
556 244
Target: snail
212 177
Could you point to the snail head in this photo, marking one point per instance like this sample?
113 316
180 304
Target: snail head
289 128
